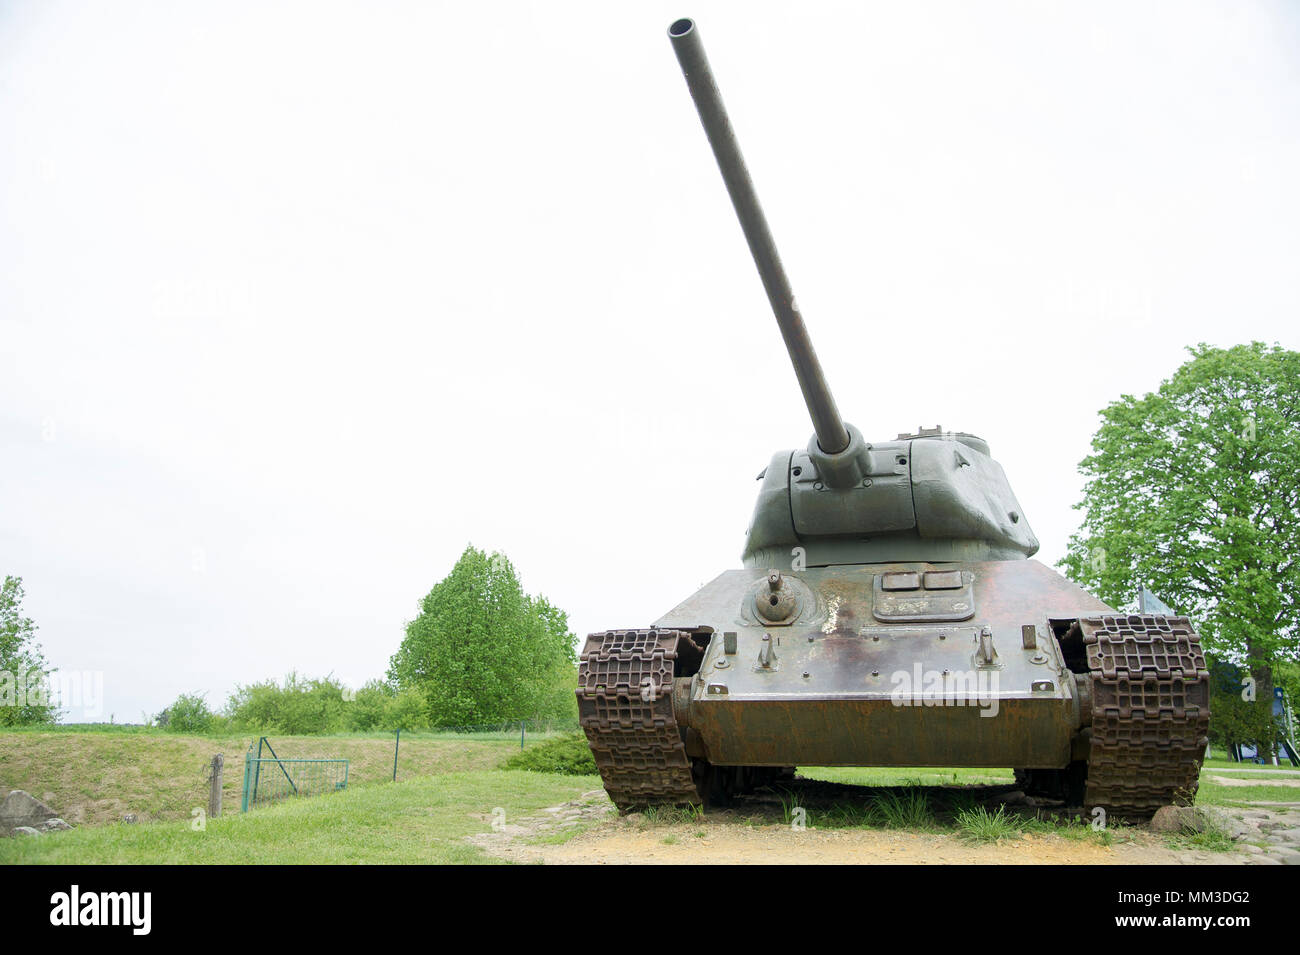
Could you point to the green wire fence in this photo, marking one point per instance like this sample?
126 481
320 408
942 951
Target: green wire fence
269 779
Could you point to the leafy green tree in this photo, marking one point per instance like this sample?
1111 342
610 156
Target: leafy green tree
482 651
1194 491
24 678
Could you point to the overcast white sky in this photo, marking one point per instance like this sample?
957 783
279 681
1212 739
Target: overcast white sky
297 299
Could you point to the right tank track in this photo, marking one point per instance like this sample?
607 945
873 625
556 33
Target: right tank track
1150 712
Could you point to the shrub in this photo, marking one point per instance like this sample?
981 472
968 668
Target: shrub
569 755
300 707
188 714
369 708
408 710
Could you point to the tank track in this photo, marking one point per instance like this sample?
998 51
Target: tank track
625 706
1150 712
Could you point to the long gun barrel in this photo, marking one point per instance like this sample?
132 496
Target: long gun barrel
829 426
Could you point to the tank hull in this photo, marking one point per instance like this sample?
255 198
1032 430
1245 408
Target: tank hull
863 676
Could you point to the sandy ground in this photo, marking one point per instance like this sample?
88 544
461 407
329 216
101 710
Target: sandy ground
724 838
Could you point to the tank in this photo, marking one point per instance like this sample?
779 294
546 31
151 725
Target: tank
888 613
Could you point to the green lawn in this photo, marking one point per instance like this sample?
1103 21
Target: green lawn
1247 767
1220 795
96 777
907 776
423 820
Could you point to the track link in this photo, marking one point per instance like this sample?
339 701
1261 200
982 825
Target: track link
625 706
1150 712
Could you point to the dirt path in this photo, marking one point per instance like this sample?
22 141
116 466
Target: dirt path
604 838
1258 772
1239 781
779 845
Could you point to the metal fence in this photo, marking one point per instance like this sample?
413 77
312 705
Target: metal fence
269 779
508 729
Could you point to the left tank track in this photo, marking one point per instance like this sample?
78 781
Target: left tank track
625 706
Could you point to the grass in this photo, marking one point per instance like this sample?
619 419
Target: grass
505 732
907 776
1216 794
672 815
977 824
789 806
423 820
96 777
449 785
1211 836
905 809
1218 763
1265 790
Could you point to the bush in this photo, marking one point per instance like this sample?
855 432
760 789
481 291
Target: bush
569 755
408 710
188 714
300 707
369 708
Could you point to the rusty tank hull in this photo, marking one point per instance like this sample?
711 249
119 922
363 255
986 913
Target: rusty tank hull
888 613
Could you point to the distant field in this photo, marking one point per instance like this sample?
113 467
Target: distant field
98 776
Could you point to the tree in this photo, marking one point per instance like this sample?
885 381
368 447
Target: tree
24 679
1194 491
482 651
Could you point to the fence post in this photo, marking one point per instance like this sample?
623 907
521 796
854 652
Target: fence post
257 768
396 747
522 724
248 772
214 794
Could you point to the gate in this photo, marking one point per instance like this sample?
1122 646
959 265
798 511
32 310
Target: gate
269 779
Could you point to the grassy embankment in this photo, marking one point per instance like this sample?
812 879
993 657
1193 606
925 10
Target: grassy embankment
448 788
